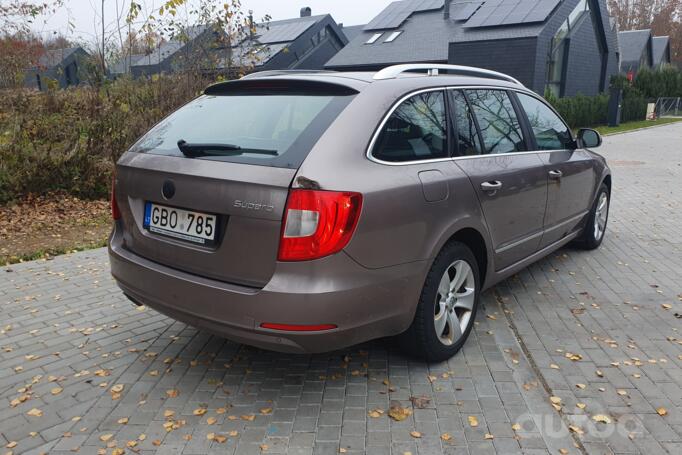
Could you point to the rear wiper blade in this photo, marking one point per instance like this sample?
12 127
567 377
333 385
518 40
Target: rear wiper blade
199 150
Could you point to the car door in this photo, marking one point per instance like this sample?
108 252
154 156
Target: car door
511 184
570 171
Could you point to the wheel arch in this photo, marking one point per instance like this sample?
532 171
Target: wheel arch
476 242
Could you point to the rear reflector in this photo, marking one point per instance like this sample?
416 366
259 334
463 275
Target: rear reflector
297 328
318 223
115 212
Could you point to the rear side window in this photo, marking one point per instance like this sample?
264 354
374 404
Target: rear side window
468 143
271 128
497 120
551 133
415 131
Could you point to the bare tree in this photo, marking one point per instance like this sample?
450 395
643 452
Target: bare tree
663 17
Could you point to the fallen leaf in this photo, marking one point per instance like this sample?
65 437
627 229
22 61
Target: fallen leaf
563 451
575 429
601 418
446 437
375 413
172 393
473 421
666 306
264 447
415 434
266 411
581 405
342 450
56 391
118 388
516 427
662 411
554 366
123 421
211 420
622 392
489 436
11 444
421 402
399 413
35 412
581 386
555 400
199 411
106 437
249 418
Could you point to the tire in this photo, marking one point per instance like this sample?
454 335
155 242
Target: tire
595 228
425 338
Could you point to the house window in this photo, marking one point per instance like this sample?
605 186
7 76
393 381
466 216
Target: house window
559 47
374 38
392 37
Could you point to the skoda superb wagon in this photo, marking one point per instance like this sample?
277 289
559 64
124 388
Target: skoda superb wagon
310 211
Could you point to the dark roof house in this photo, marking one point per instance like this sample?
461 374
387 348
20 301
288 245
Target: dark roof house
305 42
661 50
62 66
567 46
636 50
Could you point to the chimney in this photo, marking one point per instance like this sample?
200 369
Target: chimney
446 11
306 11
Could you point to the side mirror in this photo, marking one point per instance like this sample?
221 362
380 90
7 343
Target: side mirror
588 138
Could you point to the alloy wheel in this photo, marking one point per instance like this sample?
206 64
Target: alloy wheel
454 302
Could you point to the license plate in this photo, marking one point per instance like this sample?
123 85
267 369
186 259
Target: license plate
181 224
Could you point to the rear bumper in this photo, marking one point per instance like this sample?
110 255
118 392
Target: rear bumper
364 304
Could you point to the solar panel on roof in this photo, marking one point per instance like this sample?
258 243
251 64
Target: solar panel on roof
281 33
392 17
509 12
464 10
542 9
428 5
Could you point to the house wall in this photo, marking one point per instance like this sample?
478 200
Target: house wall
515 57
583 73
70 72
584 47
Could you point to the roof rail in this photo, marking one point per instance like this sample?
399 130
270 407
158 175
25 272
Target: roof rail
268 73
432 69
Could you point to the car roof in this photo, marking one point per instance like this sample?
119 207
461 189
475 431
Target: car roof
360 80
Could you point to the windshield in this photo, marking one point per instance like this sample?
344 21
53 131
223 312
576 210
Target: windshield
288 124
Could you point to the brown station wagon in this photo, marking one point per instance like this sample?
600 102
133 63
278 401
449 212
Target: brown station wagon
310 211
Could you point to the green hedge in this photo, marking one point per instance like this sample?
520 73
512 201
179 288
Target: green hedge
589 111
69 139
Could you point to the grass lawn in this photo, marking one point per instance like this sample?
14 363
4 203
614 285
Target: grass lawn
631 126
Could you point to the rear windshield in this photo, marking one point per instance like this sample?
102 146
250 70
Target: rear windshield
269 128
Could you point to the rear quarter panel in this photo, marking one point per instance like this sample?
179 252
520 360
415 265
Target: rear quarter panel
397 224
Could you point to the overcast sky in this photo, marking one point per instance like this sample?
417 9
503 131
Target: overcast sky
84 15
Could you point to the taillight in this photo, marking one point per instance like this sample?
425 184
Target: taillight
115 212
318 223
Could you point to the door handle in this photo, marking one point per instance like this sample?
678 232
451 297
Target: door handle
555 175
491 187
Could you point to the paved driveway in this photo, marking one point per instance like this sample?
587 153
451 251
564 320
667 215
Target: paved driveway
577 337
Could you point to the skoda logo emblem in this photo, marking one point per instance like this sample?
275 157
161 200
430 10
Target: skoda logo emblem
168 190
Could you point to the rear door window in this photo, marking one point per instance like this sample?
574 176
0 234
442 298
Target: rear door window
271 128
415 131
468 142
551 133
498 121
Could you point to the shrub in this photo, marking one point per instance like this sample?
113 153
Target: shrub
582 111
665 81
70 139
